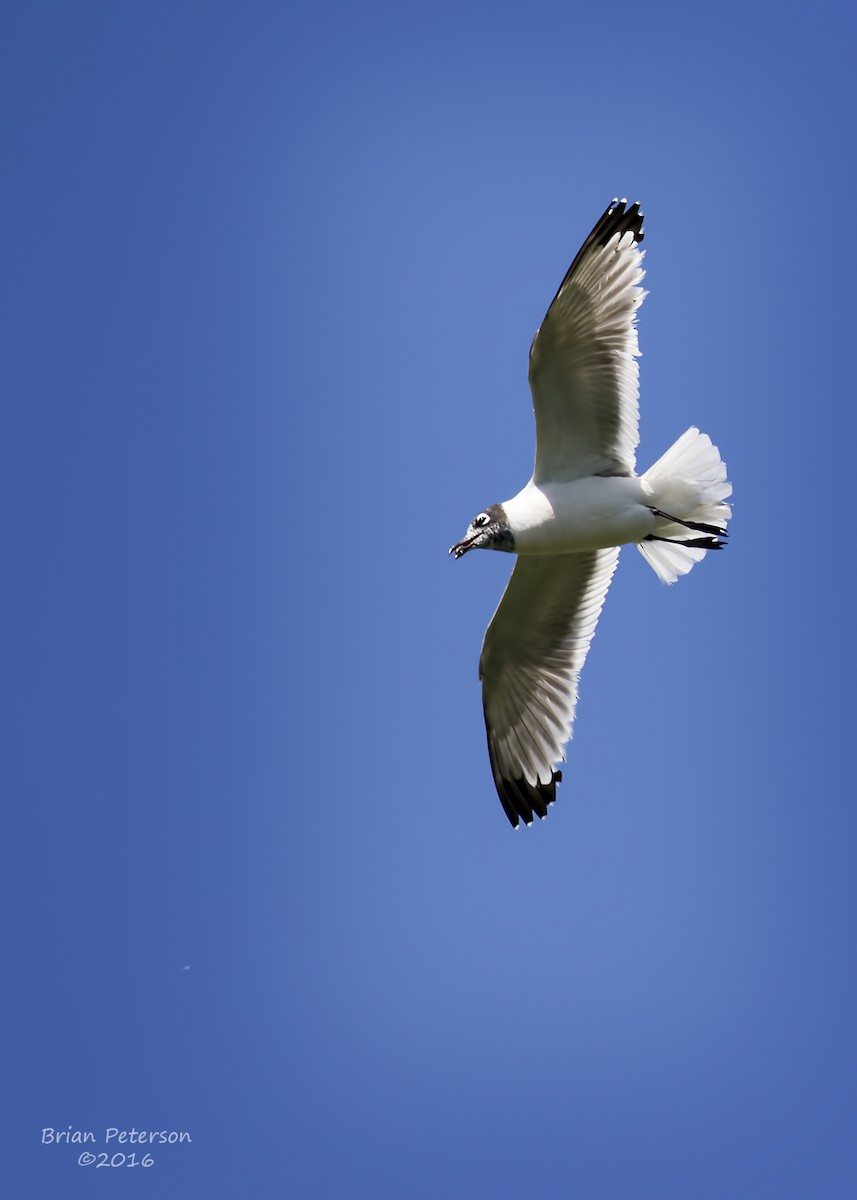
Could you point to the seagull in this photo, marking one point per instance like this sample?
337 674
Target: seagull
583 502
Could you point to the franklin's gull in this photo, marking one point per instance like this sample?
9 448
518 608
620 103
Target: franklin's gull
583 502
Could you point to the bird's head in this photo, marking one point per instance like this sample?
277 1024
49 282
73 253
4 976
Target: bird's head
489 530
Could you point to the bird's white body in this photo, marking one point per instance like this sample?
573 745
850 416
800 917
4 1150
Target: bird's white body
583 514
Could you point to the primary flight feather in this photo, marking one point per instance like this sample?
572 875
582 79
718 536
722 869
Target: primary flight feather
583 502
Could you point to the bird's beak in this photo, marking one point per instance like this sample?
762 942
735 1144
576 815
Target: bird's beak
462 547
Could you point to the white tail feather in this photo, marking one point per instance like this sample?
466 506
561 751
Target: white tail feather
669 560
688 482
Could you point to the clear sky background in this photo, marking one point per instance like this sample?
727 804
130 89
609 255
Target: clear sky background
270 274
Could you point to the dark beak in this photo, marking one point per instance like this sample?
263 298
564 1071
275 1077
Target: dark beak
462 547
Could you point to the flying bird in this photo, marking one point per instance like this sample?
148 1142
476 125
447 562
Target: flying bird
583 502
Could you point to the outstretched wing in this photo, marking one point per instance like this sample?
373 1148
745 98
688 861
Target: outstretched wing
583 360
532 656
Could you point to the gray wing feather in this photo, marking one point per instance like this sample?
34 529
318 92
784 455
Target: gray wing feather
583 361
532 656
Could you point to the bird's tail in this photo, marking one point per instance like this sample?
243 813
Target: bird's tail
689 489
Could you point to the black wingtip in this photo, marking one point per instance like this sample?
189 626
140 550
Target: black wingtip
619 217
521 800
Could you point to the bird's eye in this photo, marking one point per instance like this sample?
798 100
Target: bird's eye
481 520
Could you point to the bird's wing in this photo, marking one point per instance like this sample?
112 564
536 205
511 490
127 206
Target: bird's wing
583 360
532 657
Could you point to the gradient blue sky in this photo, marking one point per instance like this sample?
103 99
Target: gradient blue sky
270 273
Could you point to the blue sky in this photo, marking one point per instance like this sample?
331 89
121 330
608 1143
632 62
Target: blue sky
270 277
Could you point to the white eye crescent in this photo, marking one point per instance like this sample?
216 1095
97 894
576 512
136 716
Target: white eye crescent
481 520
